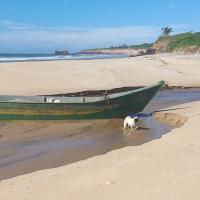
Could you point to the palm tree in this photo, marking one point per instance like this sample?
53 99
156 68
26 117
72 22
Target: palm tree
166 31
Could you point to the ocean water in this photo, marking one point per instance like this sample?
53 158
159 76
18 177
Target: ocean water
48 57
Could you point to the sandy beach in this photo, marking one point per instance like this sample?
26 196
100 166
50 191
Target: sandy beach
168 166
99 100
51 77
164 168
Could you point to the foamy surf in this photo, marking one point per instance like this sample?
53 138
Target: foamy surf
49 57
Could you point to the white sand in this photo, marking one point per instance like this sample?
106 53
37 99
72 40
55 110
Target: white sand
33 78
166 169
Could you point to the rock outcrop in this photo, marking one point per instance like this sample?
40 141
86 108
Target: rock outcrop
61 53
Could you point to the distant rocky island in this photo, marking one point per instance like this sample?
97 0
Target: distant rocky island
61 53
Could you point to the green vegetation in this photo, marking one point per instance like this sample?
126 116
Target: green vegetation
124 46
185 42
166 31
140 46
181 41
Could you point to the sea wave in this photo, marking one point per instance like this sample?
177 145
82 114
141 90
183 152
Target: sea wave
37 57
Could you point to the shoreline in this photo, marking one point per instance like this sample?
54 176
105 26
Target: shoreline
69 57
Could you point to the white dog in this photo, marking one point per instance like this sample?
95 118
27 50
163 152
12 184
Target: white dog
53 100
57 101
131 122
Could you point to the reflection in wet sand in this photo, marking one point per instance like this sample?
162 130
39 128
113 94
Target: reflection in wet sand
28 146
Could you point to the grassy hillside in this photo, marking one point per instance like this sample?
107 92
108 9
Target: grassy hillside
185 42
140 46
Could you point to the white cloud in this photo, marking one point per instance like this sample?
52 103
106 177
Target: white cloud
20 37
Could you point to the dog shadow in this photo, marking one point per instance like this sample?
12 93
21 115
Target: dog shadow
142 128
137 129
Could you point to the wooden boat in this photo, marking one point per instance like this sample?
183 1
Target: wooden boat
110 105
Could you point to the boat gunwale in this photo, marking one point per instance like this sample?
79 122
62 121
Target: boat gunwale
120 94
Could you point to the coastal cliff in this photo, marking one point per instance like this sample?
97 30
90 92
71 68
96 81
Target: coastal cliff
128 52
187 43
134 50
110 51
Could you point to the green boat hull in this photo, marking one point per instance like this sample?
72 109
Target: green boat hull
116 107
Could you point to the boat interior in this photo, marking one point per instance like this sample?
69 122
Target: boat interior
77 97
95 93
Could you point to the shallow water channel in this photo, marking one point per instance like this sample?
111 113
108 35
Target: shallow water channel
27 146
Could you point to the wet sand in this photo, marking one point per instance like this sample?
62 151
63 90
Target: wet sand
56 145
27 146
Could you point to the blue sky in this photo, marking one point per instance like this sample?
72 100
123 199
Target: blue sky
45 25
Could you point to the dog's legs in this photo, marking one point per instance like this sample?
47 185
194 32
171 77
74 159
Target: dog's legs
132 127
125 125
